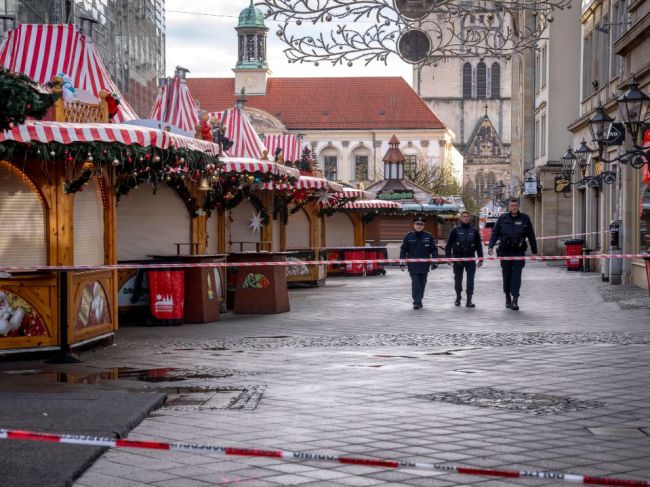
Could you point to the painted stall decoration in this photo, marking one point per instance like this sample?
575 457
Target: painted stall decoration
255 281
93 307
18 318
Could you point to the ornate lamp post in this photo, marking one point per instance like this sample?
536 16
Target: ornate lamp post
581 157
497 195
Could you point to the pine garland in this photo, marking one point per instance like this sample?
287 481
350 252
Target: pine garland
20 98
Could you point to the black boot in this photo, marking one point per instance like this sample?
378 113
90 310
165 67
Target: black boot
515 303
469 303
508 301
457 302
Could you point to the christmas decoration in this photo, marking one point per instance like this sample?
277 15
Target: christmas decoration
20 97
113 102
256 222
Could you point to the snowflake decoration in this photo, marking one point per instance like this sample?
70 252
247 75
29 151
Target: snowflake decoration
256 222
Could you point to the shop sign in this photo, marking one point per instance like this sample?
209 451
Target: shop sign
616 134
562 185
530 186
401 195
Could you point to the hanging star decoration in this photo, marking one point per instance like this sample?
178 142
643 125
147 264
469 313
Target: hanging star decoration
323 197
256 222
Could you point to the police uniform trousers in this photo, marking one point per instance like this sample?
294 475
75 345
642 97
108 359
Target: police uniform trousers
511 273
459 268
418 283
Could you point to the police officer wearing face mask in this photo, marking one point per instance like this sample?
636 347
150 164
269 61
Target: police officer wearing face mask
511 231
418 244
464 241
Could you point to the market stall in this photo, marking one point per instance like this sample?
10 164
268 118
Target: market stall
59 205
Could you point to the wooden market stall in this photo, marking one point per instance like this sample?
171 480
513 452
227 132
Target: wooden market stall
59 205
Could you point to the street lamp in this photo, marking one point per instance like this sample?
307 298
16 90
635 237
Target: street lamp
633 108
497 194
581 157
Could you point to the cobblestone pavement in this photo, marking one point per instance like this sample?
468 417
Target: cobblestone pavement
562 385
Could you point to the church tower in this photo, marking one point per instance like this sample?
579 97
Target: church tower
251 70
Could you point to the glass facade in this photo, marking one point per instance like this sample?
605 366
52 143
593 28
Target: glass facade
129 36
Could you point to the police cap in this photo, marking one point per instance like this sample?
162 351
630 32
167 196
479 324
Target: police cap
418 219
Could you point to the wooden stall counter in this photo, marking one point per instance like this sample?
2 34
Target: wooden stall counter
203 286
310 274
259 289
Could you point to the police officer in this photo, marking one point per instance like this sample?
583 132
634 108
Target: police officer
464 241
511 231
418 244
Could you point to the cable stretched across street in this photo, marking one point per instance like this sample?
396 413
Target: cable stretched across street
313 457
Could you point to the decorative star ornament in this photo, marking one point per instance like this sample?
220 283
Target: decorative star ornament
256 223
324 198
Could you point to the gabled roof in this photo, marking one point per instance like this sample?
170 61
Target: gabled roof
175 106
484 136
327 103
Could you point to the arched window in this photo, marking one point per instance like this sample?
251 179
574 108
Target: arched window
467 80
496 81
481 81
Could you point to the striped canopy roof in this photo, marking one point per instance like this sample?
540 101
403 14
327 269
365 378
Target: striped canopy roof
308 182
371 205
175 106
246 142
68 133
41 51
289 143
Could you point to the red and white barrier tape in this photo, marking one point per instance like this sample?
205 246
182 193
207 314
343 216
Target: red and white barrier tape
317 457
292 263
571 235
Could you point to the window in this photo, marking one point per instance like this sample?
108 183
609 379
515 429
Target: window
604 51
361 168
617 27
495 89
544 61
586 66
410 165
542 137
481 81
538 72
537 138
644 222
467 80
331 167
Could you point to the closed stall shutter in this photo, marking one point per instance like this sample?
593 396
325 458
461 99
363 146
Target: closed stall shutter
340 231
23 239
88 226
241 235
150 224
212 231
298 231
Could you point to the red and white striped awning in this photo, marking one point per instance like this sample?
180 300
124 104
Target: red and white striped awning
41 51
246 164
371 205
289 143
306 183
246 142
175 106
354 193
68 133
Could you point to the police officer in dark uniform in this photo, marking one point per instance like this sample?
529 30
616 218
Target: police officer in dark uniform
464 241
418 244
511 231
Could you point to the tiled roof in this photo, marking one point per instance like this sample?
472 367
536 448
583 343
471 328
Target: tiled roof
327 103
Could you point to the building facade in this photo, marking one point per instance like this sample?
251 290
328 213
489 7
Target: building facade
463 92
130 37
546 80
347 122
615 48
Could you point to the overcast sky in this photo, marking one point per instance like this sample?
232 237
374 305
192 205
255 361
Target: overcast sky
207 44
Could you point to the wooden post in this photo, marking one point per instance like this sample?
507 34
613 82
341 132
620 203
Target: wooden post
358 229
267 230
315 223
221 231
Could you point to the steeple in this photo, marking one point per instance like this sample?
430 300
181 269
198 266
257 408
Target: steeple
251 69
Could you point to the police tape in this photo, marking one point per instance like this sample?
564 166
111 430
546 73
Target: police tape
567 235
315 457
297 262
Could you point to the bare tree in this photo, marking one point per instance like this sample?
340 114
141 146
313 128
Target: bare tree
437 179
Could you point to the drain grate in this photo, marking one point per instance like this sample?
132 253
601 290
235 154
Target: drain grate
213 398
522 402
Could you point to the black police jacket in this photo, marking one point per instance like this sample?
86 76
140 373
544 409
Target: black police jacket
418 245
512 232
464 241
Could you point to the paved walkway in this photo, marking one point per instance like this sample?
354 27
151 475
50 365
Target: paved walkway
562 385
